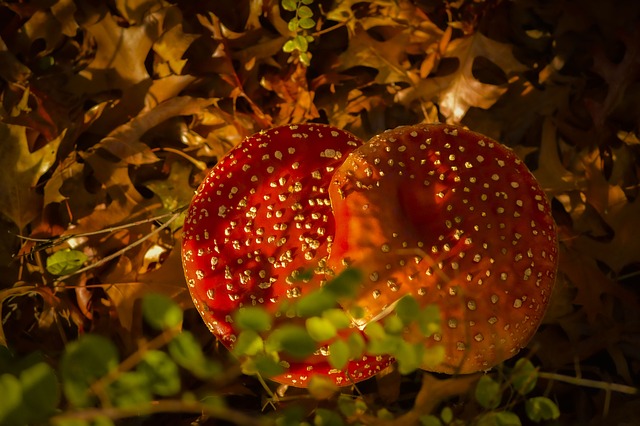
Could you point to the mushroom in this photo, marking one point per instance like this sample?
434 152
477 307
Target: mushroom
260 217
452 218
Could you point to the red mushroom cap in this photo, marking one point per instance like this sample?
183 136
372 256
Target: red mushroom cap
452 218
262 215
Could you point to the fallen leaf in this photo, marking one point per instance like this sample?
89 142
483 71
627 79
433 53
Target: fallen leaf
21 170
460 90
121 52
168 280
388 57
296 105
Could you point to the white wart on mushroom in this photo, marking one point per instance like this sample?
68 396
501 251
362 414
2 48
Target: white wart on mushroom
455 219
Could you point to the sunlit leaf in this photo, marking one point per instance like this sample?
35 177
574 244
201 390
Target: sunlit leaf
11 391
289 5
541 408
322 387
65 262
320 329
339 353
248 343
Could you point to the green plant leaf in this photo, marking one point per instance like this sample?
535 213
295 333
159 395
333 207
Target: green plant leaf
253 318
289 5
84 361
161 372
322 387
186 351
339 353
325 417
160 311
41 392
446 415
249 343
306 23
393 325
290 416
130 389
385 414
430 420
289 46
356 345
500 418
65 262
408 356
346 284
407 309
432 356
429 320
305 12
541 408
315 303
337 317
375 331
292 339
390 345
524 376
267 366
11 399
293 25
320 329
488 393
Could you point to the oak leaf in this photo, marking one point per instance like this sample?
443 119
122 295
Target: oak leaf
387 57
461 90
21 170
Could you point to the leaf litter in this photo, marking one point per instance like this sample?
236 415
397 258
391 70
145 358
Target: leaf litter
111 114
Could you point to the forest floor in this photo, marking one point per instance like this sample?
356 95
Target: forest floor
113 112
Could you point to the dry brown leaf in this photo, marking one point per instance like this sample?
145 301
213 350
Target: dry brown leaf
21 170
552 175
120 54
459 91
297 101
168 279
124 141
388 57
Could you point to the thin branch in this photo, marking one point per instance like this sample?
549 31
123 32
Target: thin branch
121 251
609 387
163 406
48 242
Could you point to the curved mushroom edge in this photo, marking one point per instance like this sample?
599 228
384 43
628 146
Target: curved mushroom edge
455 219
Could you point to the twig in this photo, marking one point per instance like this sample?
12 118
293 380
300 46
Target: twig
201 165
59 240
121 251
609 387
163 406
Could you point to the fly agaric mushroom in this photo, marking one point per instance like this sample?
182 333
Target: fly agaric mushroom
452 218
260 216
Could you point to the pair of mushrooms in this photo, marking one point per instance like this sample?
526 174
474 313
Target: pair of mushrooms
435 211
